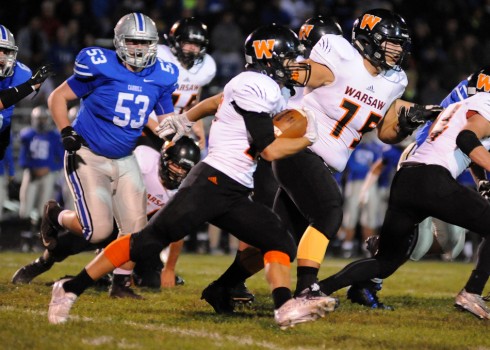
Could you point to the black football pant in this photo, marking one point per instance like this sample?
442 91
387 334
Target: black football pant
417 192
208 195
311 187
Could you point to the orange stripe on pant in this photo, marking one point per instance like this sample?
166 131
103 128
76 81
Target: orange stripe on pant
118 251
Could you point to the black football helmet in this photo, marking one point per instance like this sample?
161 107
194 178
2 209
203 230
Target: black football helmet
268 47
176 160
479 81
188 30
316 27
373 29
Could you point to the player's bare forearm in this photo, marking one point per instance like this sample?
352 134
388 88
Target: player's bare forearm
481 157
283 147
58 104
477 172
167 277
388 129
204 108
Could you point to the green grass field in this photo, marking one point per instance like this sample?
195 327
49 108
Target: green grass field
422 294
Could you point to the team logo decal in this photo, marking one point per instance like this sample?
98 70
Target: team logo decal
304 32
369 21
483 82
263 48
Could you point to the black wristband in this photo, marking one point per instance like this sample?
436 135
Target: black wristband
11 96
67 131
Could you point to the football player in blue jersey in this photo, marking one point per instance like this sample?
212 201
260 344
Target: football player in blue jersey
118 91
41 157
16 82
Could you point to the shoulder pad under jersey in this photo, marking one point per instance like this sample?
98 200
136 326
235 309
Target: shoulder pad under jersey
255 92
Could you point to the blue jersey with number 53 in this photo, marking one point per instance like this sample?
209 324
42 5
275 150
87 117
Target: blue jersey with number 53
115 102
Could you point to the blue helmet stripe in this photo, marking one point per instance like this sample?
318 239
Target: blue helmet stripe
3 33
140 22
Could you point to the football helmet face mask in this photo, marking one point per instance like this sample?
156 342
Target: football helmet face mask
272 50
8 52
188 30
135 40
176 160
479 81
316 27
374 30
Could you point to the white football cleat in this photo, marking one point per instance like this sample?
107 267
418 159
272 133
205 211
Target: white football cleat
61 303
308 306
472 303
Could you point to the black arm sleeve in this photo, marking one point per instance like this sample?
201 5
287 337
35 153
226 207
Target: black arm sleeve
467 141
260 127
11 96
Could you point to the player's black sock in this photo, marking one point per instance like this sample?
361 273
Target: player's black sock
79 283
476 282
280 296
307 275
234 274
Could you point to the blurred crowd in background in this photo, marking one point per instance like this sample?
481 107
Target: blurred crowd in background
449 38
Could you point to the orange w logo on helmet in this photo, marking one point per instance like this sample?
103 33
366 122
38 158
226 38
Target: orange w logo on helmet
370 21
264 48
305 30
483 82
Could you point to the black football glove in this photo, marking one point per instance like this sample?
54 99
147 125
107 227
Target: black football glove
410 119
484 189
41 74
71 140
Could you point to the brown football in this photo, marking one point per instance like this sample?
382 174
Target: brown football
290 123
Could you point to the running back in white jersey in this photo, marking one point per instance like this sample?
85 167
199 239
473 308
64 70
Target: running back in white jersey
191 80
229 140
440 146
352 104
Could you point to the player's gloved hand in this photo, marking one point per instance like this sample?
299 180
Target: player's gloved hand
71 140
311 128
41 74
177 124
484 189
372 244
409 119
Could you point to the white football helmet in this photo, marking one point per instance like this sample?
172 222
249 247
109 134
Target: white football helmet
40 118
8 58
136 26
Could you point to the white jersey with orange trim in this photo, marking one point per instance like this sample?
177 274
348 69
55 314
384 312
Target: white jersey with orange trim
352 104
191 80
440 146
229 140
157 195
